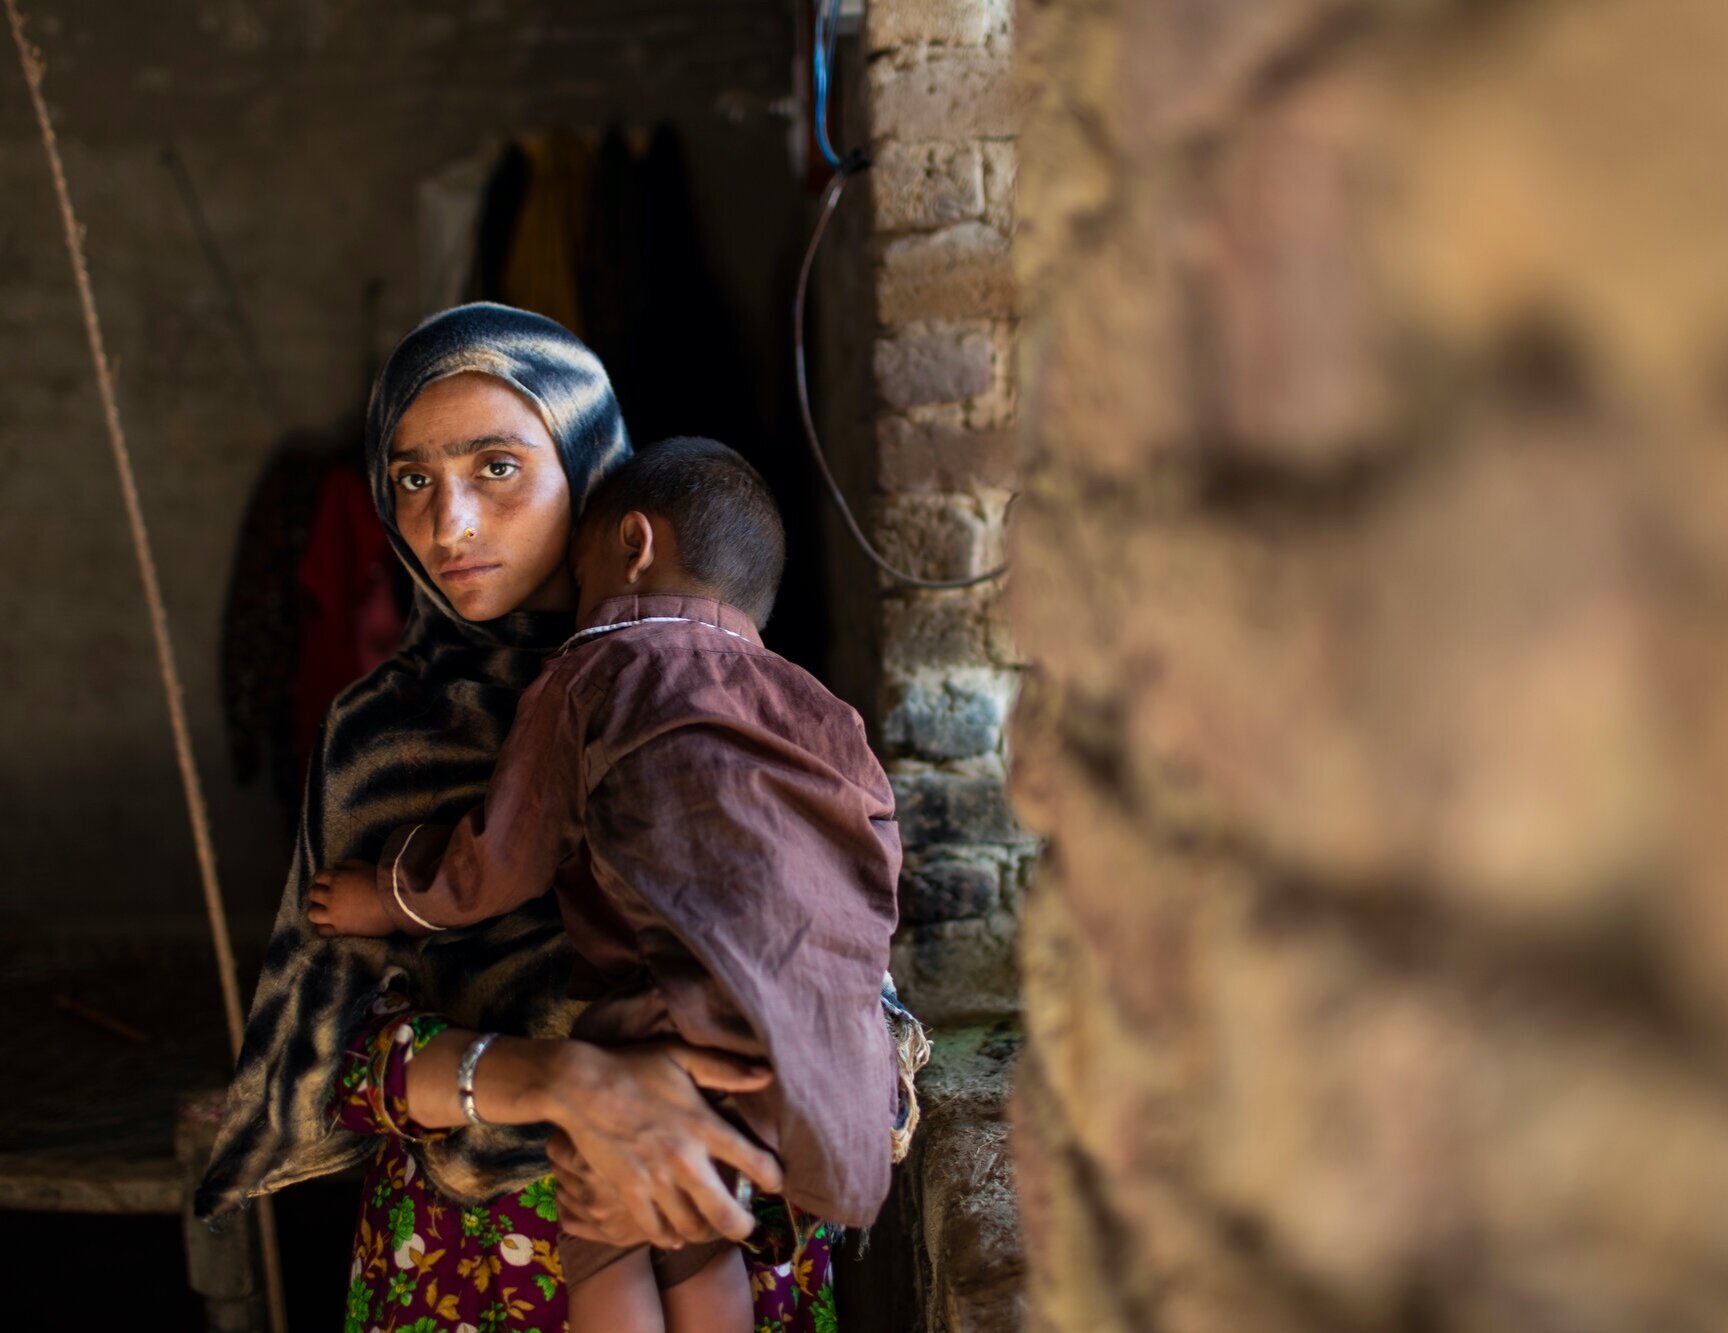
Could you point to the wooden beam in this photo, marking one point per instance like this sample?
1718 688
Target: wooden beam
58 1182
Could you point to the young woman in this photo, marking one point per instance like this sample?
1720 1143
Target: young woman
487 429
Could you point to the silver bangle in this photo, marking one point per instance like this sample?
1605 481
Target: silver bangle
465 1076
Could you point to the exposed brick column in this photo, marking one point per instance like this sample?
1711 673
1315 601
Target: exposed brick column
919 323
939 97
1371 561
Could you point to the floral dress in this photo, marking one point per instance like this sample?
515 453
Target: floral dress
422 1264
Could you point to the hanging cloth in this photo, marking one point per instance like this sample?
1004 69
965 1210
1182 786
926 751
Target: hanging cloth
539 270
261 617
350 618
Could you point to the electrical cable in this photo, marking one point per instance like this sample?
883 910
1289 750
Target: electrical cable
856 162
822 66
852 166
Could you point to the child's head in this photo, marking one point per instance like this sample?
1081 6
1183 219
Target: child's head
687 516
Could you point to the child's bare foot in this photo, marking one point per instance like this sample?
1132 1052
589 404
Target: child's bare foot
344 901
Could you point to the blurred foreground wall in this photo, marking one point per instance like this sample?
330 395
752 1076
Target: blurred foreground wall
1374 566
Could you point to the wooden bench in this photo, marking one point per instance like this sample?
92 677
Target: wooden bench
221 1264
102 1122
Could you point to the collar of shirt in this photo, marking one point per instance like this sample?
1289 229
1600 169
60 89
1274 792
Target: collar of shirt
672 606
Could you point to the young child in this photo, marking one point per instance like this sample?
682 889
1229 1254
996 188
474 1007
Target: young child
723 846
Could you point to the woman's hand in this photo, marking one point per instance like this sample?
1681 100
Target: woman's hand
587 1209
641 1141
637 1155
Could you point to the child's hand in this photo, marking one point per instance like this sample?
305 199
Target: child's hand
345 901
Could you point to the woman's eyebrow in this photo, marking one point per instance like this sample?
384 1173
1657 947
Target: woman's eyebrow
459 448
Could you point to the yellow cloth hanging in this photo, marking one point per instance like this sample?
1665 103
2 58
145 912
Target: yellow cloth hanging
540 269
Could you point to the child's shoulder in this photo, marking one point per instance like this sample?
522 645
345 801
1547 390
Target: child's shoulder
671 661
773 684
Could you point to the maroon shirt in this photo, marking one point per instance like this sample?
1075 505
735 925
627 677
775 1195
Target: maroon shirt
723 845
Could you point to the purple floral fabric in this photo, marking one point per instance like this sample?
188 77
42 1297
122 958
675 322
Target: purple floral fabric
422 1264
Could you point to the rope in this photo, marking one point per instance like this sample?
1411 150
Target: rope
175 165
33 67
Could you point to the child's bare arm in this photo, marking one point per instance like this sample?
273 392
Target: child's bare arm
344 901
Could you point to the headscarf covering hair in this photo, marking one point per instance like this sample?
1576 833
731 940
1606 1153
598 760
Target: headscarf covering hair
541 360
416 741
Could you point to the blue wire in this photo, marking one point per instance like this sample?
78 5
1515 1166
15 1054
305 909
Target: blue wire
827 34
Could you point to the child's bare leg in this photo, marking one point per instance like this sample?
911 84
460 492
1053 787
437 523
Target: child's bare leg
620 1298
715 1299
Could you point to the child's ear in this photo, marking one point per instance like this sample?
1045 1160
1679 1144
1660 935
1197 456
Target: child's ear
637 534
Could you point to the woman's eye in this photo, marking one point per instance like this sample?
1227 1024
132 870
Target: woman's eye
413 481
499 468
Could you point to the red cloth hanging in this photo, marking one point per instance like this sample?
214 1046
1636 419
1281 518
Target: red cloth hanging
351 621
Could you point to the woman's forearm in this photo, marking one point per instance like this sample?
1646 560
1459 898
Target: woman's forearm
511 1083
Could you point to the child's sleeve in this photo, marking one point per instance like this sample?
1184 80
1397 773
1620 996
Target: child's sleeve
503 853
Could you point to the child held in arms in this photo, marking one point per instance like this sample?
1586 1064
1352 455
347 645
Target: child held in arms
723 846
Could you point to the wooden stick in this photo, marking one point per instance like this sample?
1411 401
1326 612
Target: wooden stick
100 1019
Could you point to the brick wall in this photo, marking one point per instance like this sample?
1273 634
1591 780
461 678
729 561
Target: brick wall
939 100
1371 563
920 312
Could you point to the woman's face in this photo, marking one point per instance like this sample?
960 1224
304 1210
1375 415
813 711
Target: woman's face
481 498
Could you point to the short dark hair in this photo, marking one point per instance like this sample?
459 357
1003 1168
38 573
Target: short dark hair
730 537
